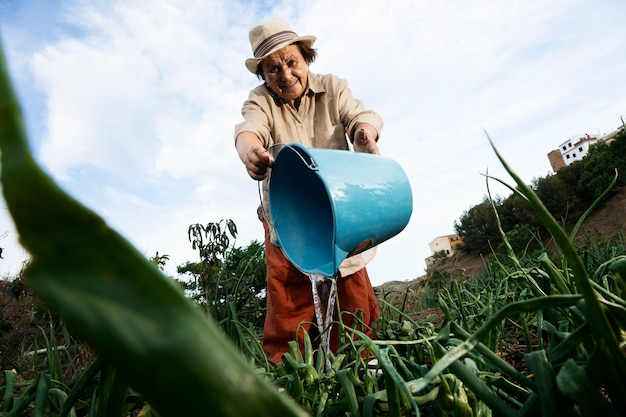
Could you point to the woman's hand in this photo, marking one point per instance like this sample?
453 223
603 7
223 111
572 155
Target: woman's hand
365 136
254 156
258 159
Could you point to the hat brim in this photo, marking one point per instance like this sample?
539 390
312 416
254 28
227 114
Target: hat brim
253 63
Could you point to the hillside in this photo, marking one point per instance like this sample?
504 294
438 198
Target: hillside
603 223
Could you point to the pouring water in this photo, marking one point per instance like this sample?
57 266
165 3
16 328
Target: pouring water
324 290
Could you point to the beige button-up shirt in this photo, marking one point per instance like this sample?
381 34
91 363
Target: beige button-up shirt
326 118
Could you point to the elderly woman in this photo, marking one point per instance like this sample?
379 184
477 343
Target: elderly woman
295 105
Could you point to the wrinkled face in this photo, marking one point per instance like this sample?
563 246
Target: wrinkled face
286 72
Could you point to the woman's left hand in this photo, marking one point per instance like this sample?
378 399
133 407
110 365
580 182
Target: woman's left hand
365 137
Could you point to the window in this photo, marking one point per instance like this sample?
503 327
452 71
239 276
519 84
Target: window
567 157
580 149
573 155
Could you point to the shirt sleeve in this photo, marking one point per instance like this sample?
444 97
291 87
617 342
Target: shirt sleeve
352 110
255 112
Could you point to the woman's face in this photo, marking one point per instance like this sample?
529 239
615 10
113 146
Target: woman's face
286 72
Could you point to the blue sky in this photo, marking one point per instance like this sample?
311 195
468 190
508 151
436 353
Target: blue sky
130 105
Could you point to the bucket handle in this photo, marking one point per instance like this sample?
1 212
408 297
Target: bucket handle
311 165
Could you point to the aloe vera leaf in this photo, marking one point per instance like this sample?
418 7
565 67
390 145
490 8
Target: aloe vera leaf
116 300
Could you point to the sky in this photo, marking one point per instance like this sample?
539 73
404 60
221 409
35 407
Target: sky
130 105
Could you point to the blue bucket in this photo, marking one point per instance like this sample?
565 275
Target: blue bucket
328 204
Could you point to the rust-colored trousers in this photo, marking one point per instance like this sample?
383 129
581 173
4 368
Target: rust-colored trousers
290 303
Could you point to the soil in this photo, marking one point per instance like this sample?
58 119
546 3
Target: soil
605 222
26 328
19 323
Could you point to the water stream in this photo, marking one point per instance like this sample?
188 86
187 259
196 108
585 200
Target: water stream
324 291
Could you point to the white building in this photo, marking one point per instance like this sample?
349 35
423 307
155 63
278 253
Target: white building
576 148
446 244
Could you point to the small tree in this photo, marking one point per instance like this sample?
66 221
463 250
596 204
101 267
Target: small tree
160 260
243 284
212 242
229 281
478 228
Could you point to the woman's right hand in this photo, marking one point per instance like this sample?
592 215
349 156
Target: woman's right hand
254 156
258 159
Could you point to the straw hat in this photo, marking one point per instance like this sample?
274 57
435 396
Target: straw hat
270 37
